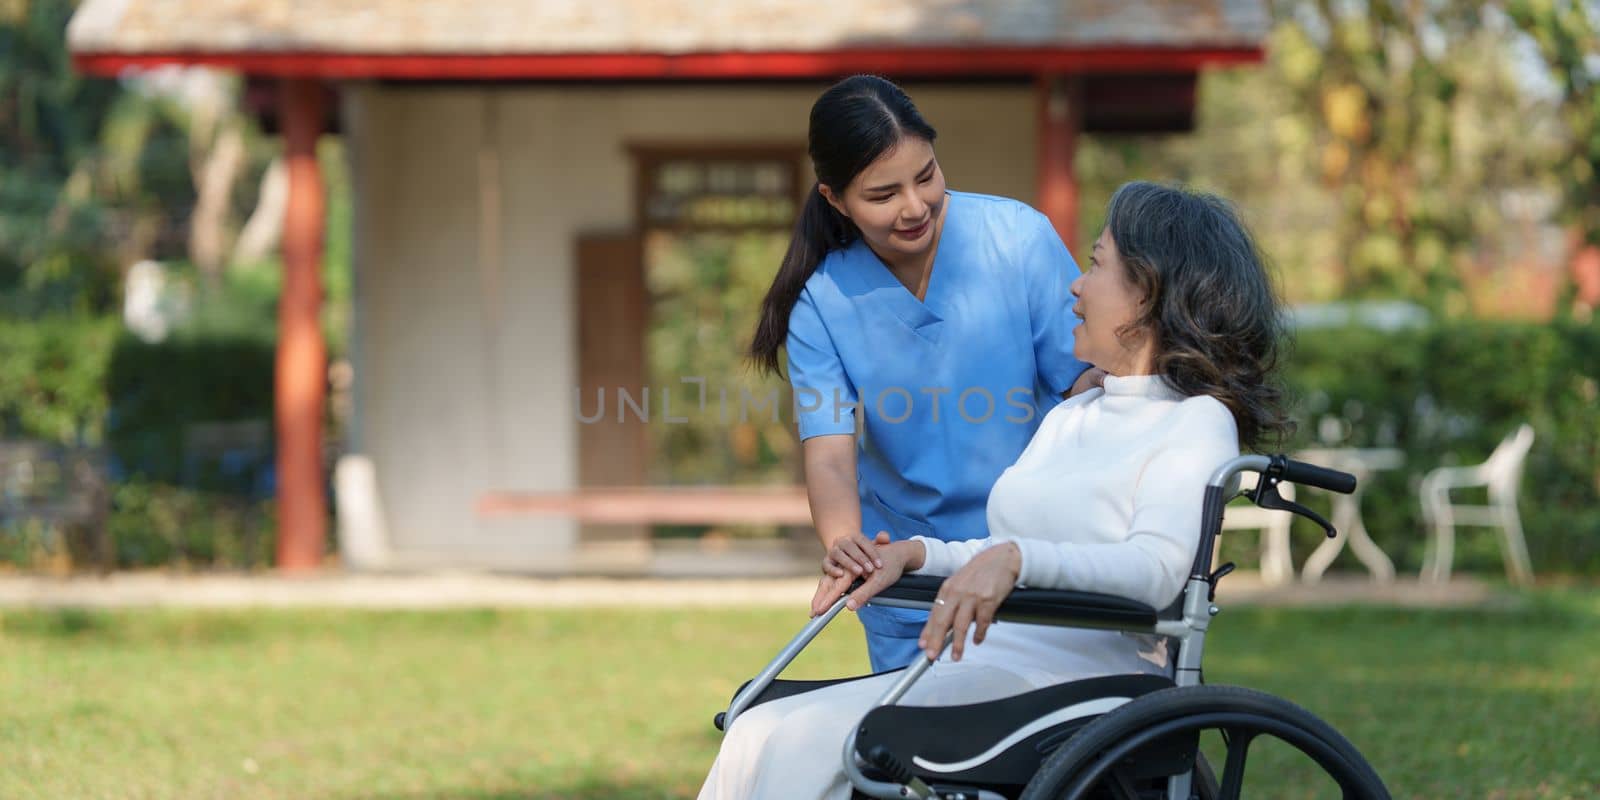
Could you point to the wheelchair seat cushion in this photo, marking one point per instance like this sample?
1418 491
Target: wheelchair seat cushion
1002 742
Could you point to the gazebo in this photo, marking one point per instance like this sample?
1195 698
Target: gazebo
503 157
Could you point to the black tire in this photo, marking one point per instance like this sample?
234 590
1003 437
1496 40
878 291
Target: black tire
1086 761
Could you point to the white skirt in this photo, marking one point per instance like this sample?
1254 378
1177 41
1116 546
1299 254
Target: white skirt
793 748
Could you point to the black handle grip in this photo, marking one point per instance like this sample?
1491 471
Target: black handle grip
1321 477
886 762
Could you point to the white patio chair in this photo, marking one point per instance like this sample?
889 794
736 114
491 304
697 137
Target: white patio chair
1501 474
1276 565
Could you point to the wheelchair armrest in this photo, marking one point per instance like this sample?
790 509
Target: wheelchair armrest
1034 606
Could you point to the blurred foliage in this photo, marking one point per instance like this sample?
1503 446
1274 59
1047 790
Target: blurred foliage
1567 35
1409 107
164 391
96 174
1383 150
52 378
1446 395
92 176
157 523
705 292
187 421
83 381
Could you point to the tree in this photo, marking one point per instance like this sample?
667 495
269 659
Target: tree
1373 152
85 168
1567 34
1417 132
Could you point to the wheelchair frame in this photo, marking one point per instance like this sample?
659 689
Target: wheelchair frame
1185 621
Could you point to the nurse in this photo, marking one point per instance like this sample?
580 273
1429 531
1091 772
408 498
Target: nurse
927 333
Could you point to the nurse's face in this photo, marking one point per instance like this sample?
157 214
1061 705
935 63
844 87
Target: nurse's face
1108 304
896 200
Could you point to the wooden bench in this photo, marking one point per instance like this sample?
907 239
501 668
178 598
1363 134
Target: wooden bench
658 505
615 528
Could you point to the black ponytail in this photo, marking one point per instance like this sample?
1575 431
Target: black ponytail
819 229
852 124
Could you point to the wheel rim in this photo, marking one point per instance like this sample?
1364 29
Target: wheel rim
1245 728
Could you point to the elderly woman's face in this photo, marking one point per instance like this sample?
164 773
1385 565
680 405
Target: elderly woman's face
1107 303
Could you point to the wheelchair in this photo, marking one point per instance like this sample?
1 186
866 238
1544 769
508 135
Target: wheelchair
1130 737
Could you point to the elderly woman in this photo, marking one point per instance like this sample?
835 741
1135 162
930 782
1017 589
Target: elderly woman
1177 309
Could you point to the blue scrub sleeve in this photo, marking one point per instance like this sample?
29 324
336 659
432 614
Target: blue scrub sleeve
1049 270
824 397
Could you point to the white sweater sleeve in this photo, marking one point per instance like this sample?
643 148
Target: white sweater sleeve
1153 561
944 558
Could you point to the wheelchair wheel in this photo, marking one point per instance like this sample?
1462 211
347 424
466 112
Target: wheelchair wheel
1094 763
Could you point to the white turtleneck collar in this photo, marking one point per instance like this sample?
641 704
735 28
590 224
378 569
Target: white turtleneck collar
1154 387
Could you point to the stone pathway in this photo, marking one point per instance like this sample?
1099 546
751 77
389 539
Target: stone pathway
469 589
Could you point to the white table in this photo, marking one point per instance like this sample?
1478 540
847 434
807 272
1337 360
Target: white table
1362 463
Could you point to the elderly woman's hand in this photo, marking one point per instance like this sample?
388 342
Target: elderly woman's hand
970 597
854 554
898 558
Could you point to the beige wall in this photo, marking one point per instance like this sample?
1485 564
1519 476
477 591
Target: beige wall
465 369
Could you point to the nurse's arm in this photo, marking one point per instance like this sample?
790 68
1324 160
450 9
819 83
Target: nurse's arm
830 464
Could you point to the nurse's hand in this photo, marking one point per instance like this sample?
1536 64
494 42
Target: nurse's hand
829 589
898 558
970 597
854 555
1091 378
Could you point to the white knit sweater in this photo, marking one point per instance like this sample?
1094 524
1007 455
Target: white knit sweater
1106 498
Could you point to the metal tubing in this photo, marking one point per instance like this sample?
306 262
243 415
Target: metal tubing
852 764
759 684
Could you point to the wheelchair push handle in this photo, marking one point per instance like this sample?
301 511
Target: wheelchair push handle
1274 470
1312 475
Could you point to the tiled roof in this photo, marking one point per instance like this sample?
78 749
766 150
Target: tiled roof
514 27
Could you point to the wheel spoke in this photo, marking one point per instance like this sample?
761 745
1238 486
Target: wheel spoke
1238 742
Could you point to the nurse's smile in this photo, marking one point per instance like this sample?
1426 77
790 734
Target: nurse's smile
913 234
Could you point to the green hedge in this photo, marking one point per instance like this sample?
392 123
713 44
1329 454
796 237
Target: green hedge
52 378
162 524
1447 395
160 389
82 381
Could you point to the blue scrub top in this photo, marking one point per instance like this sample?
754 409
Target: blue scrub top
952 387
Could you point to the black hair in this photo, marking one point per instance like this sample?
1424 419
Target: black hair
1208 300
854 122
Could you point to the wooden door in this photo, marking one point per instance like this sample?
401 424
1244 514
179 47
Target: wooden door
613 312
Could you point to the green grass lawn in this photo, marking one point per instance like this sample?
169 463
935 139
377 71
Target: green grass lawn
617 704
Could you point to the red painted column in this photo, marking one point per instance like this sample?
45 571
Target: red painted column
1060 116
302 355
